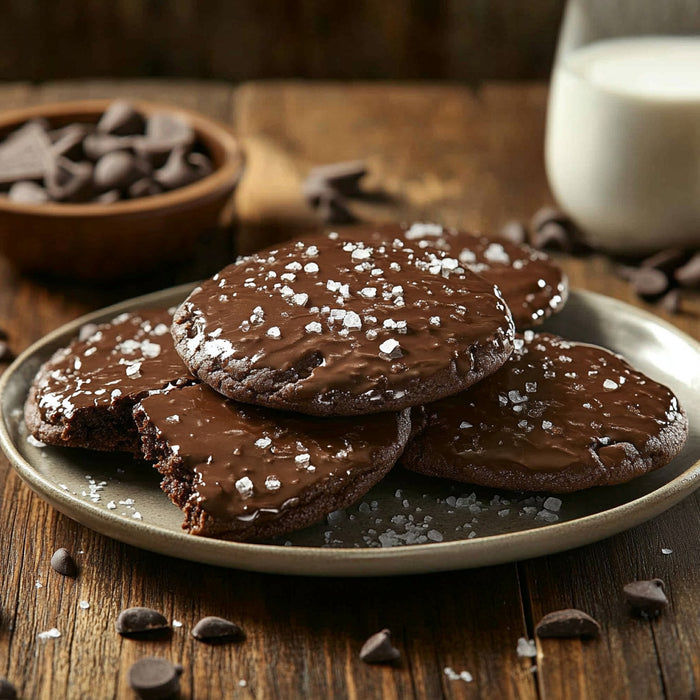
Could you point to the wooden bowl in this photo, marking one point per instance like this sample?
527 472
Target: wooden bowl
104 242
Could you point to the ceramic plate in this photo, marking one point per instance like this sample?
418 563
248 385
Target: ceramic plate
407 523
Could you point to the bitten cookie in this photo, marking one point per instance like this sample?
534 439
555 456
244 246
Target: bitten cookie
329 326
559 416
245 472
83 395
533 286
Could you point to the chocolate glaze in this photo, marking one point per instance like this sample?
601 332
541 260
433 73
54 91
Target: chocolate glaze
533 286
245 464
334 326
559 415
116 364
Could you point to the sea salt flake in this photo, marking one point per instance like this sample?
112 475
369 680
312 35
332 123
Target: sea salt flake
609 384
84 605
434 321
526 648
273 332
391 348
53 633
272 483
666 550
311 267
263 442
313 327
546 425
300 299
352 320
244 486
552 503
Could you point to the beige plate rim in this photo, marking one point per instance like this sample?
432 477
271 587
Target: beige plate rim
321 561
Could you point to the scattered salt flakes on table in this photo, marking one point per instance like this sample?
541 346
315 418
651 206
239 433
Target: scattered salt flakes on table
666 550
461 676
84 605
53 633
177 624
527 647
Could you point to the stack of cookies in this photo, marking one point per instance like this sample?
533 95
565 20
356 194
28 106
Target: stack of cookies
291 382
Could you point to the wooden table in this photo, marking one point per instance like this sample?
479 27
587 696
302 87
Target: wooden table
443 153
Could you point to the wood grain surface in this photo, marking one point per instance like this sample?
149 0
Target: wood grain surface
444 153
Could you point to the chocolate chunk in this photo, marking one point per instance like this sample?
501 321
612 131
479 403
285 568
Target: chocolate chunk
666 260
63 563
332 208
313 190
671 301
378 649
155 679
515 232
649 282
548 215
108 197
68 142
552 235
567 623
201 164
6 354
118 170
121 119
646 597
145 187
177 171
25 154
141 622
97 145
689 274
28 191
7 690
217 630
342 177
168 128
67 181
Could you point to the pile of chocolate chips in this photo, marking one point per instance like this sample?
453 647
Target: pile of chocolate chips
125 155
660 278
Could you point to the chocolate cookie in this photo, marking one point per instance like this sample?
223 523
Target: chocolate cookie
533 286
330 326
559 416
84 394
245 472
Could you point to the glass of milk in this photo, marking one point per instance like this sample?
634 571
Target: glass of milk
622 147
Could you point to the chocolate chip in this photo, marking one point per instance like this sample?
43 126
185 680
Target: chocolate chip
649 282
7 690
141 622
671 301
122 119
515 232
333 209
118 170
567 623
6 354
154 679
98 145
217 630
552 235
378 649
689 274
63 563
342 177
70 142
177 172
646 597
170 129
666 260
548 215
25 154
28 191
145 187
108 197
67 181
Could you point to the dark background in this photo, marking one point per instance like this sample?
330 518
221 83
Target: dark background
464 40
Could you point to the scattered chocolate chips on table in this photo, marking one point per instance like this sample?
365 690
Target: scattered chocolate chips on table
567 623
7 690
126 155
63 563
378 649
217 630
327 186
155 679
647 598
141 622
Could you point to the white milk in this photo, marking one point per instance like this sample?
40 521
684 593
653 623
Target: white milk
623 141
